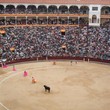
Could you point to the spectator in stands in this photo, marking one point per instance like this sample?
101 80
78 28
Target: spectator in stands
33 42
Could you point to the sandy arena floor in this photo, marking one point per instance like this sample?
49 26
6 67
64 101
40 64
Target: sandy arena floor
82 86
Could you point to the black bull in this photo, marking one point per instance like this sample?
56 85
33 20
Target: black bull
47 88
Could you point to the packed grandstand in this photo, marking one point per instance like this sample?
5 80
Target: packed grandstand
32 29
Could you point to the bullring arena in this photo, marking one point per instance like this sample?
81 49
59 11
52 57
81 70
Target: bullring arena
74 86
54 54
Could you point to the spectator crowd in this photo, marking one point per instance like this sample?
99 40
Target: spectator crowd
33 42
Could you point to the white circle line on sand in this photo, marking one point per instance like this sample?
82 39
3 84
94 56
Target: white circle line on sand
8 77
2 82
4 106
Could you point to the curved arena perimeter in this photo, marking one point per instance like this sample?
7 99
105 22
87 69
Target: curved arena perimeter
80 86
56 44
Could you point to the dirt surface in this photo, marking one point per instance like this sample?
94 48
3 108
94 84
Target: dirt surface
81 86
2 71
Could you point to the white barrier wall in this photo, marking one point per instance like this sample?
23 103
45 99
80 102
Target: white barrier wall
94 15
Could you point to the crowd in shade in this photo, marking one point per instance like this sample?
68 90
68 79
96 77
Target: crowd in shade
43 20
32 9
33 42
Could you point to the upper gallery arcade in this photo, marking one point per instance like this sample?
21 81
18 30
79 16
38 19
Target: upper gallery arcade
72 14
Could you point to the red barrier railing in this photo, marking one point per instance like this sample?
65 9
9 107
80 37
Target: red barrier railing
57 58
